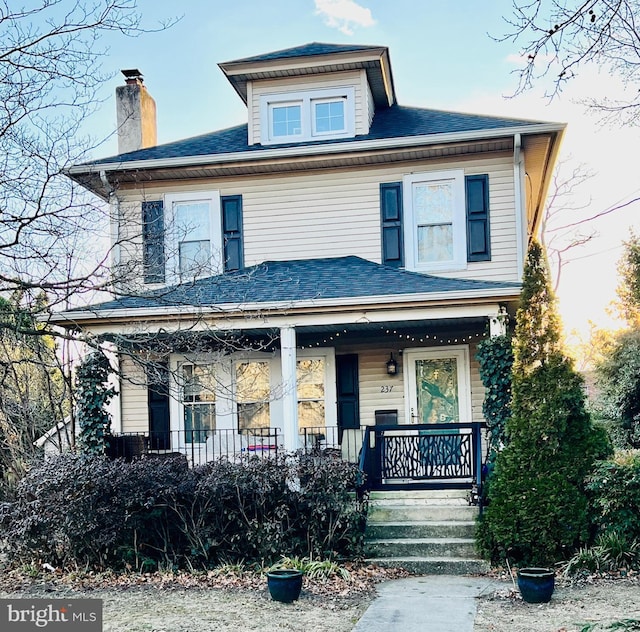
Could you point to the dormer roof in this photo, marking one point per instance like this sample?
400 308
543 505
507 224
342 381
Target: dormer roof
316 58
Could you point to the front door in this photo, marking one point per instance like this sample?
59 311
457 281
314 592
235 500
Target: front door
438 385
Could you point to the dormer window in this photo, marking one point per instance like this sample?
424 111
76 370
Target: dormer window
304 116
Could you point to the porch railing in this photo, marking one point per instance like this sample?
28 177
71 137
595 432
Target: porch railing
203 446
423 456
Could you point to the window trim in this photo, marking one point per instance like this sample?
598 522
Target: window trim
461 353
459 222
173 239
306 99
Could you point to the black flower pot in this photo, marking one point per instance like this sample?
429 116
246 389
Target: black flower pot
536 584
284 584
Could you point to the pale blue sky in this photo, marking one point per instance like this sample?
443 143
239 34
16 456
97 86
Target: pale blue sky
442 57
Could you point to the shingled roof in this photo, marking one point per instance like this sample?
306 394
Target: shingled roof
394 122
306 50
298 281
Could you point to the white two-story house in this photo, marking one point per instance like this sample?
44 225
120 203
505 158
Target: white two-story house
328 267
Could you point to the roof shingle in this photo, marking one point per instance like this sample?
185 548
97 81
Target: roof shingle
300 280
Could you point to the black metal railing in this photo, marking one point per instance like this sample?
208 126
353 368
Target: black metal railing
202 446
198 446
423 456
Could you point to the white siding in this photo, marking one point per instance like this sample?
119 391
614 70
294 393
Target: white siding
336 213
133 397
312 82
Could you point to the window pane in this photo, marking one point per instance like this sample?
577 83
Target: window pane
310 376
311 415
437 386
191 220
194 258
435 243
198 420
286 120
329 116
255 415
433 202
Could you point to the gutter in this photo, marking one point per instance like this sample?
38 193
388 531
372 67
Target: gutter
229 309
314 150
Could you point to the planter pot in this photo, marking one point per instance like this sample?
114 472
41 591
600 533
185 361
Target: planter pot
536 584
284 585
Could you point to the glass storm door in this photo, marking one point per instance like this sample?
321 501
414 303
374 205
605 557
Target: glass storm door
438 386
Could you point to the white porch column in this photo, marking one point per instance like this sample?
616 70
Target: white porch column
289 388
498 323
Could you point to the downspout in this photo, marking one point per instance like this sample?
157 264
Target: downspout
114 229
520 204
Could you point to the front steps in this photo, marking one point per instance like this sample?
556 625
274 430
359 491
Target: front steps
426 532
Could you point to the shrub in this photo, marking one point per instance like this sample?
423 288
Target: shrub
538 512
614 494
87 511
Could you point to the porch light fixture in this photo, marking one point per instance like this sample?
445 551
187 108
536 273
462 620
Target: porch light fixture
392 366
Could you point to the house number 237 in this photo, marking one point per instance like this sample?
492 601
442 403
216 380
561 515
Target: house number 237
385 388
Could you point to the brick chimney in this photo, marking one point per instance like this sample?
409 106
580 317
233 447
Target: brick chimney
136 114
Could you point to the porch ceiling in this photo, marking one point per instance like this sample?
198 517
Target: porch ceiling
397 334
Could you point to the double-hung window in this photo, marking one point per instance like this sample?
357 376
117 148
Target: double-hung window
311 392
195 245
253 394
435 223
305 116
199 401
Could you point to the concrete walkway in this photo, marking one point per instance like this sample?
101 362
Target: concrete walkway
433 603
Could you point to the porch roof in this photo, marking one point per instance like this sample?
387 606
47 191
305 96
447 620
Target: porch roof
318 281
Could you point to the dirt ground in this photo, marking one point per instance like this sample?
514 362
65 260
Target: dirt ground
592 606
155 605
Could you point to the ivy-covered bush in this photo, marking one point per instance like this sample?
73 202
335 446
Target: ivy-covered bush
93 394
81 510
614 494
495 357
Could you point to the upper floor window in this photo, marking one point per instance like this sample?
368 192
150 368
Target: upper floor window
435 226
311 115
195 242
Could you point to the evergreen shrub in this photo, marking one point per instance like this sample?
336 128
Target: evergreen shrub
614 493
537 509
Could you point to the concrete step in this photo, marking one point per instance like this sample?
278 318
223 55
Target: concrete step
433 496
438 497
434 565
385 512
430 529
458 548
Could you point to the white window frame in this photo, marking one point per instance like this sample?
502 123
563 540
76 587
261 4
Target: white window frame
173 238
330 391
459 227
307 99
461 354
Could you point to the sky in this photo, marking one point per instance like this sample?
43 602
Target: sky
444 55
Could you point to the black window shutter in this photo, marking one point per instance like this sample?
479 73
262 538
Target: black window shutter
478 234
232 232
391 224
153 241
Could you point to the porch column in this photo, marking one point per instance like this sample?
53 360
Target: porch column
289 388
498 323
